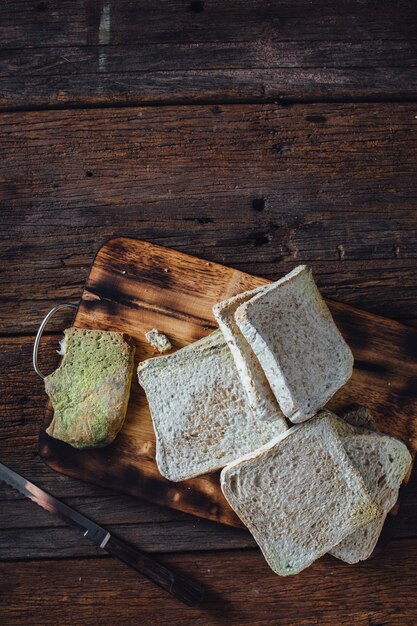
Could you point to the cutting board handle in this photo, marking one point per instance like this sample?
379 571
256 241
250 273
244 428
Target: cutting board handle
40 332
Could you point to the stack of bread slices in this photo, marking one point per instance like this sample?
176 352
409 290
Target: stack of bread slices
230 401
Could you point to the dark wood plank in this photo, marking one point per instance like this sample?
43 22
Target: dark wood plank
330 185
32 533
63 53
28 25
34 543
76 89
116 509
28 532
109 509
241 589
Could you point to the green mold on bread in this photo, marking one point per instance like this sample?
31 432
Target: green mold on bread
90 389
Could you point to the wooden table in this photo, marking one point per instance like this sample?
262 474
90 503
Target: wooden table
257 134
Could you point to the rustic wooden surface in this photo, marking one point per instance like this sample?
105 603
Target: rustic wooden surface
134 286
92 52
246 178
335 183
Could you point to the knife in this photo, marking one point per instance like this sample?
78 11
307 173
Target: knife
178 585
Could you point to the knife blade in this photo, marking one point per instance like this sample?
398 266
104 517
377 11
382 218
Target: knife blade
178 585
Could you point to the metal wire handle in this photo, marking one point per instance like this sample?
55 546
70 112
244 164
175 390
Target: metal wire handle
40 332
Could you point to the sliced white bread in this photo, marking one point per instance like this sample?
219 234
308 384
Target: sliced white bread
299 495
199 409
302 353
383 462
259 393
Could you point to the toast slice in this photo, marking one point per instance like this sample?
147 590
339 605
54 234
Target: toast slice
383 462
300 495
291 331
89 391
199 410
259 393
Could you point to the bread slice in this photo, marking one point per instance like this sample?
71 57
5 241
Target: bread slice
299 495
291 331
90 389
260 397
199 410
158 340
383 462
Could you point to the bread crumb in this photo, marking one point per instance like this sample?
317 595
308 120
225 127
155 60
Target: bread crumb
341 251
158 340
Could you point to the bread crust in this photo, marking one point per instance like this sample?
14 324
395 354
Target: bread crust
259 393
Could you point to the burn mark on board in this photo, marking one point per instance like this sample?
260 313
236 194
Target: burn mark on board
199 500
156 275
111 284
149 487
155 272
111 305
58 452
112 298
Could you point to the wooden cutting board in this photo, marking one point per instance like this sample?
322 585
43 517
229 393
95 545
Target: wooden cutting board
134 286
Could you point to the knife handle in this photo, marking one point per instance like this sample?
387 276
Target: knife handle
178 585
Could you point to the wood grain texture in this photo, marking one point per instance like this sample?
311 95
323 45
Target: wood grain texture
30 544
101 52
104 591
256 187
134 286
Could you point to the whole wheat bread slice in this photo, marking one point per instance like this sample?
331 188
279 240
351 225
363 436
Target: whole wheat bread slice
302 353
199 409
89 391
259 393
300 495
383 462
